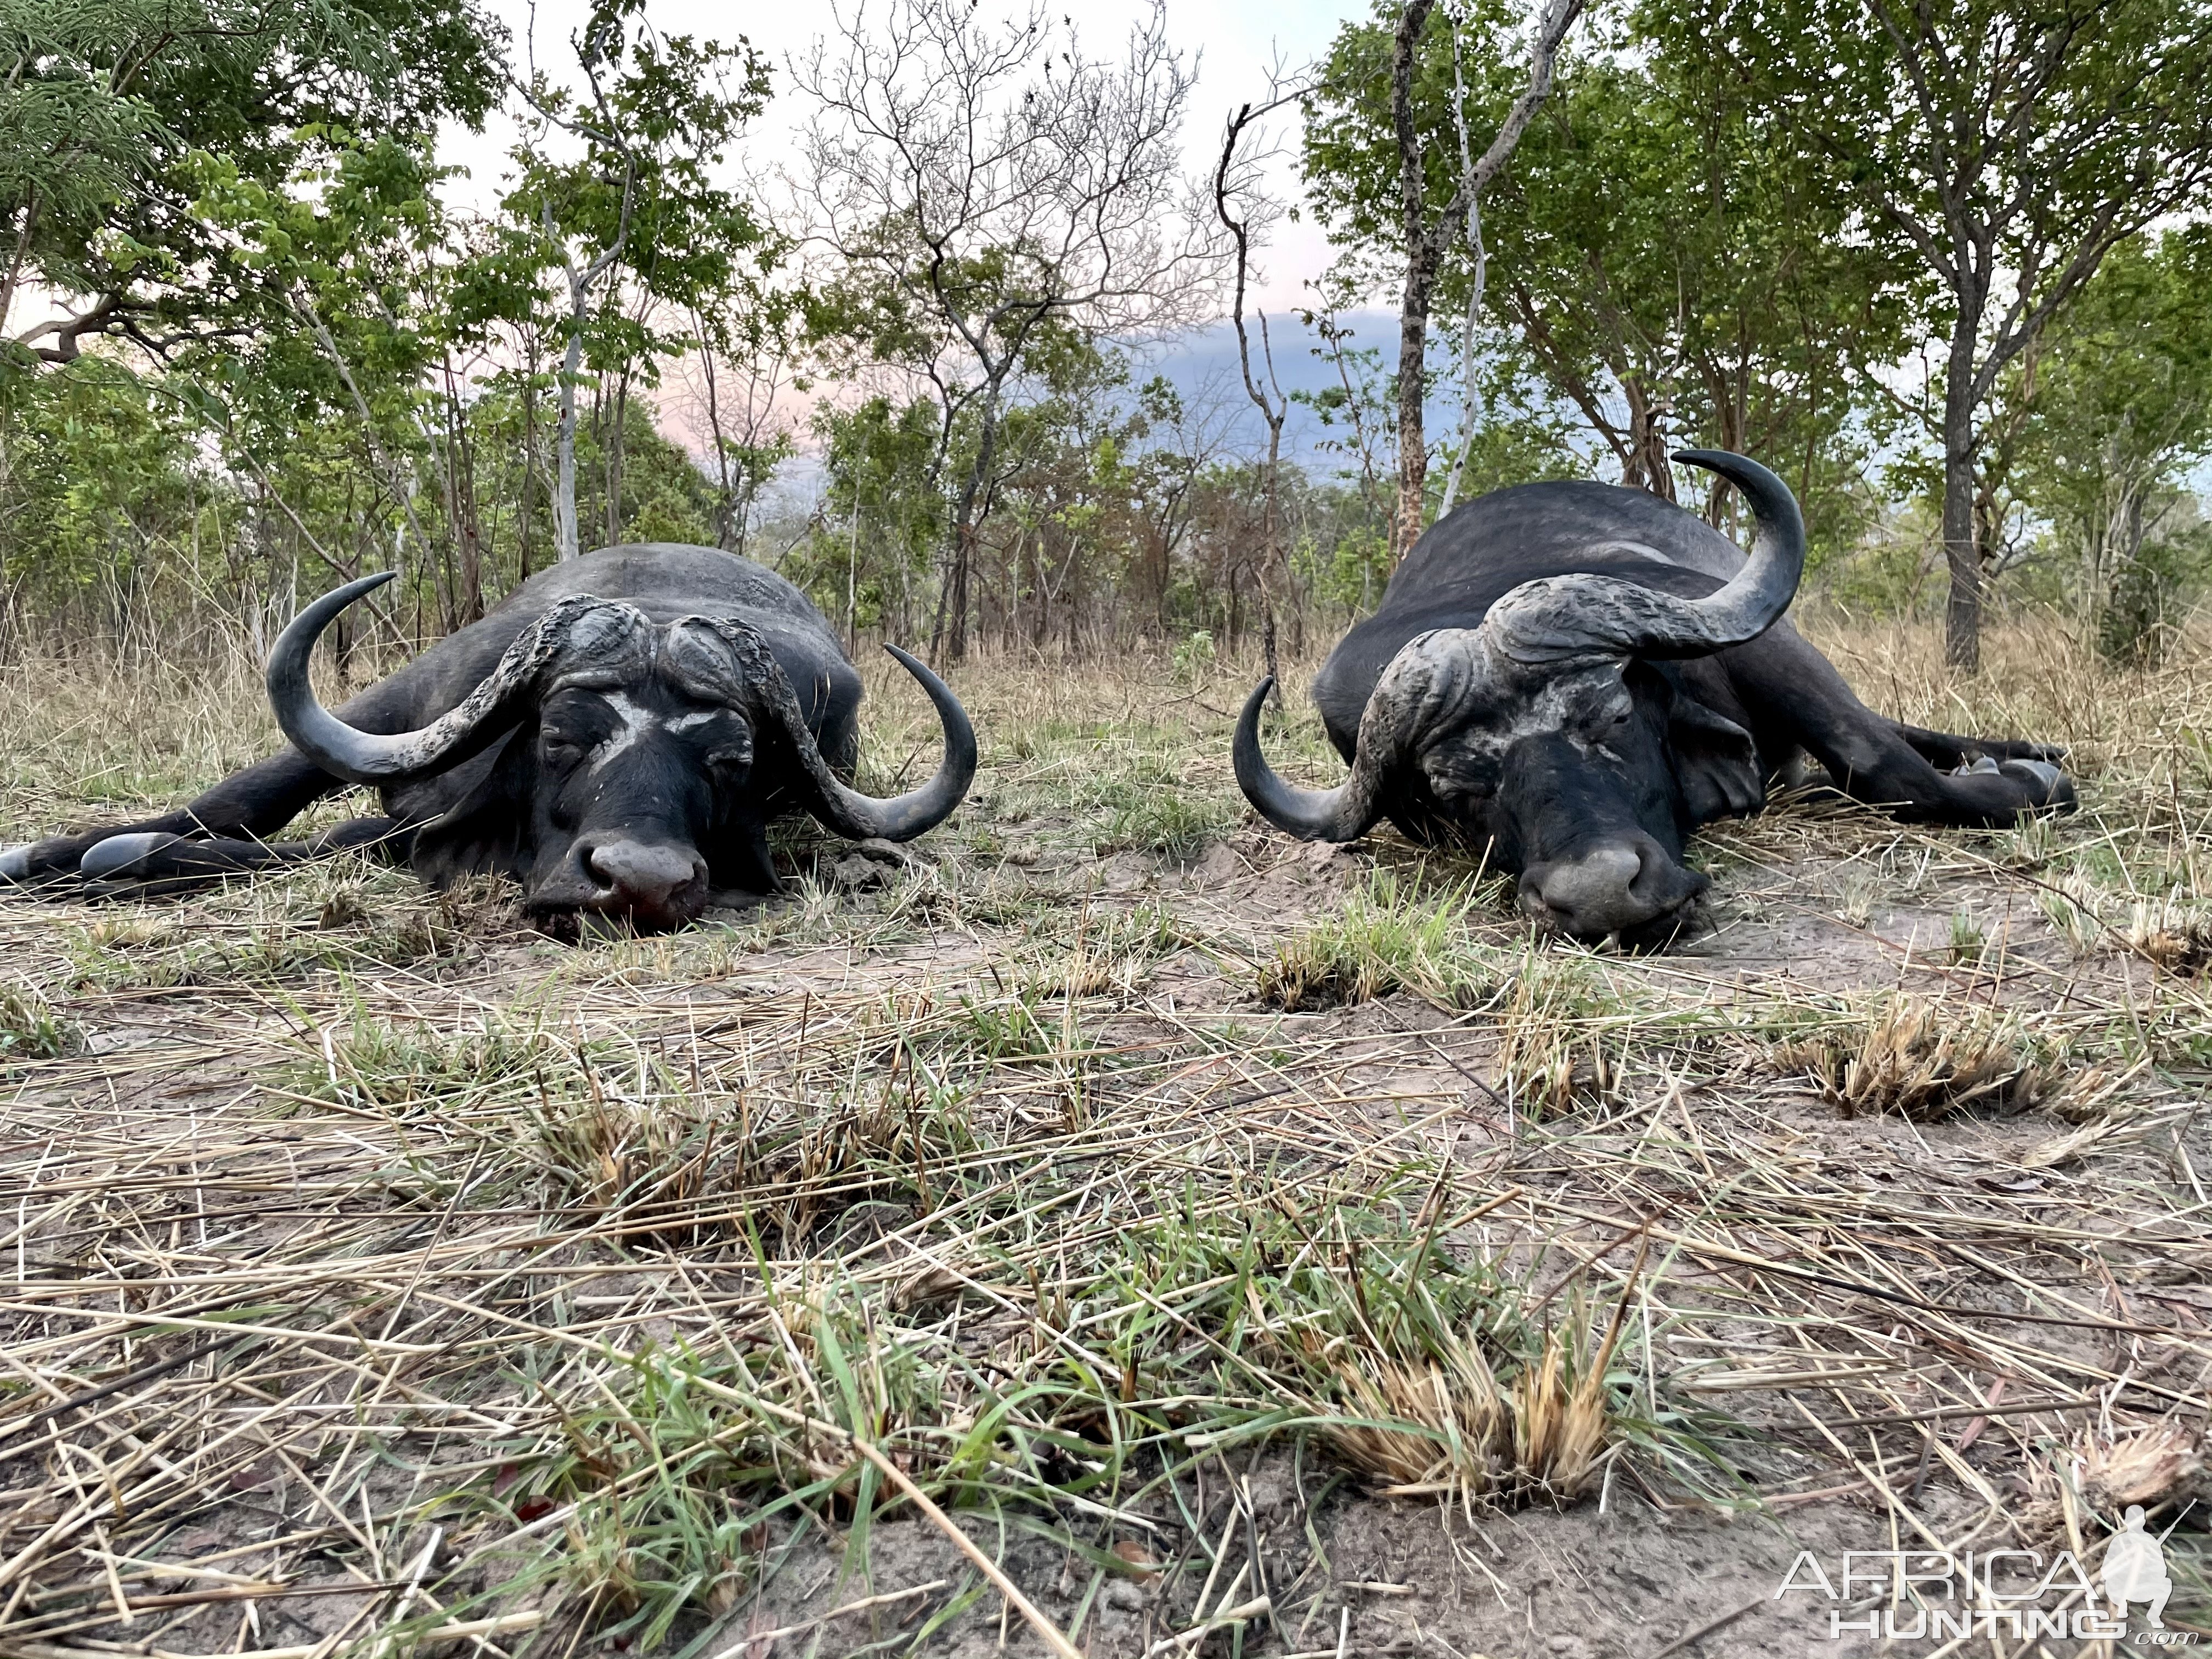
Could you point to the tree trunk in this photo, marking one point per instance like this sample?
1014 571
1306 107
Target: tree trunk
963 531
529 461
1962 554
564 448
1422 257
1647 467
1412 381
613 441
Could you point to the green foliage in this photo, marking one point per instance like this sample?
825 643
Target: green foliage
1991 152
1193 656
884 514
99 465
108 108
2119 406
31 1030
1658 260
642 185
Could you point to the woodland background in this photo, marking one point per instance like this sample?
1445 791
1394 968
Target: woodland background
1945 268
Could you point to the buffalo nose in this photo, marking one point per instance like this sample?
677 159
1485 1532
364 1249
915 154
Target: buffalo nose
654 883
1619 886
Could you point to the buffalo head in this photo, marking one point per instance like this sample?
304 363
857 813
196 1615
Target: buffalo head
640 764
1555 731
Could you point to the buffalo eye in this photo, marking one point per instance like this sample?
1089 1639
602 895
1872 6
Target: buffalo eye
560 748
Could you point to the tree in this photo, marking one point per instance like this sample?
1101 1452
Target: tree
636 222
2120 406
982 188
107 103
1244 213
744 367
1437 189
1669 272
2003 146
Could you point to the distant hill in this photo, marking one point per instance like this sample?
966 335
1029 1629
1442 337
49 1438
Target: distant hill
1202 366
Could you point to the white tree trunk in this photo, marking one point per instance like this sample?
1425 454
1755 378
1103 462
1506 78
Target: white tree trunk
564 443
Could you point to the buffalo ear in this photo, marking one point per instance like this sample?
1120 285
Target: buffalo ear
490 827
1716 759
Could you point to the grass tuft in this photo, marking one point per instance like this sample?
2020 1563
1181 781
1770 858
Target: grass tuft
1393 934
31 1030
1551 1054
1437 1376
2172 934
1922 1059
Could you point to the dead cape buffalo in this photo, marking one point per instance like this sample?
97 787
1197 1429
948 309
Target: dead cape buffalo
617 735
1580 675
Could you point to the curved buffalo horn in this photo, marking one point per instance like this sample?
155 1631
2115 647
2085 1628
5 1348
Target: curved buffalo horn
372 758
836 803
1553 620
1345 812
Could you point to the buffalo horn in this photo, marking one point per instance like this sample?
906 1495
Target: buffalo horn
370 757
837 805
1351 809
1558 619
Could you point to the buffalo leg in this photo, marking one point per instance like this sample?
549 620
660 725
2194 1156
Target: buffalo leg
143 865
248 806
1873 759
1943 750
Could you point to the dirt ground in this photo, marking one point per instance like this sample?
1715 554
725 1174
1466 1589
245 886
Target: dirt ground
383 1276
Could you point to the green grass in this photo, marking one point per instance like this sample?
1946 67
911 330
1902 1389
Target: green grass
1358 1328
31 1030
1396 933
1006 1175
340 916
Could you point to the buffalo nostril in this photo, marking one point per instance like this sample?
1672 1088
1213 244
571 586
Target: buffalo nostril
1622 886
642 876
1595 882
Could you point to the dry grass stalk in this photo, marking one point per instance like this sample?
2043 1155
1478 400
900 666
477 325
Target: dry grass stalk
2104 1470
2171 932
1922 1058
1551 1055
1445 1423
1445 1383
1396 933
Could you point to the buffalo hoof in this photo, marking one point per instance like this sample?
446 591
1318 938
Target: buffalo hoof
107 857
15 863
2054 787
2044 786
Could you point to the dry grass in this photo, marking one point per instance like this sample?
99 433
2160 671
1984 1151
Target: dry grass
375 1270
1921 1059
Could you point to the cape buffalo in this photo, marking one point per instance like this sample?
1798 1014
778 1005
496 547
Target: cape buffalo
1579 675
617 735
